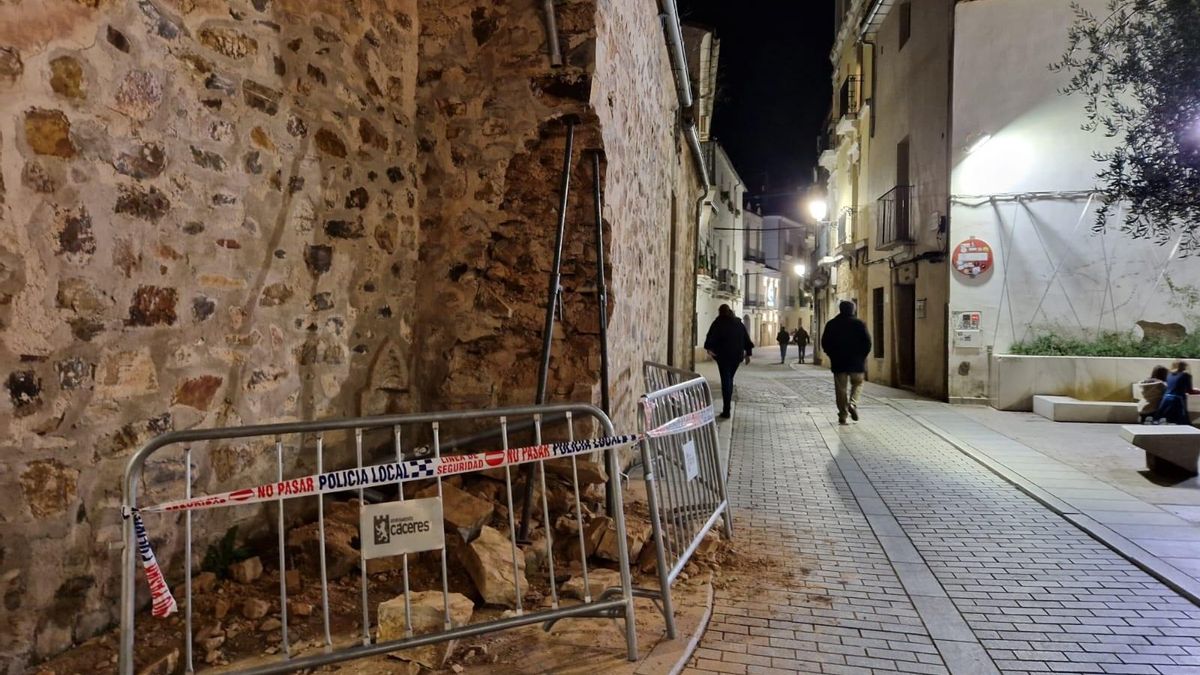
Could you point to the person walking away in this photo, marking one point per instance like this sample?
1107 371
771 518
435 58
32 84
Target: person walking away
1149 393
783 339
801 340
846 342
729 345
1174 409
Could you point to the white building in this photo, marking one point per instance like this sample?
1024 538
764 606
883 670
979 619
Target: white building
761 298
719 274
786 245
1022 176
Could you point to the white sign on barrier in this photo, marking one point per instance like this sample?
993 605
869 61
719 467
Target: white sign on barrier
395 528
691 463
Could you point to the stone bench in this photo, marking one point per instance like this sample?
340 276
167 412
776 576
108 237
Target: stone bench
1167 446
1068 409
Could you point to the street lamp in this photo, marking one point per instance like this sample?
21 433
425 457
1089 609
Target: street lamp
800 269
818 209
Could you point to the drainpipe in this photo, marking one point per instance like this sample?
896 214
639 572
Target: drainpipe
683 86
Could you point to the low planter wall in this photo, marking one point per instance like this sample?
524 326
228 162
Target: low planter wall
1015 380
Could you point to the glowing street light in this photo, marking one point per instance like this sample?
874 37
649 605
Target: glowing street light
818 209
800 269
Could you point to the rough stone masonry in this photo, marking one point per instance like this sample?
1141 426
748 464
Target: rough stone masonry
218 212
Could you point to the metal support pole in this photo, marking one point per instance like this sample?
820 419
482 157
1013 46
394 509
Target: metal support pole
602 310
601 284
552 33
548 327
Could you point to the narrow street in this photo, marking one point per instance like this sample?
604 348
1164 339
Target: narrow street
881 547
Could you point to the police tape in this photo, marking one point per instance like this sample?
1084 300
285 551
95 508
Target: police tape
692 420
162 603
395 472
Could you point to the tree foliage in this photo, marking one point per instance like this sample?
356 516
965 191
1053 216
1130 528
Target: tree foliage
1138 68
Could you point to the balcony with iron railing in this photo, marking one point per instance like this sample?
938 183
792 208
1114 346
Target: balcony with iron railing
728 282
756 255
850 96
895 218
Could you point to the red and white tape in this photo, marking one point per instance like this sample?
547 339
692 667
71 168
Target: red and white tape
162 603
692 420
392 473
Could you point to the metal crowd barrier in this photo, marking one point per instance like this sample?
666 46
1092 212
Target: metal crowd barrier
616 603
685 481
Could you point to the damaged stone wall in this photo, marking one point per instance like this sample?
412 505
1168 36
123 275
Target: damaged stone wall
492 122
208 219
220 212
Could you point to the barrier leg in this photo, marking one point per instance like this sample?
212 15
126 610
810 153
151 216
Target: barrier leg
656 530
623 558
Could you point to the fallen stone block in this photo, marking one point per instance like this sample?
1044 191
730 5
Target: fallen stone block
341 557
489 562
255 608
428 616
246 571
598 579
461 510
636 534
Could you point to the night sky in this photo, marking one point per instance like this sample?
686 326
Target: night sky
773 87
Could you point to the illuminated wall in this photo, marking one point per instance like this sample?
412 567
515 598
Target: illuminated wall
1025 189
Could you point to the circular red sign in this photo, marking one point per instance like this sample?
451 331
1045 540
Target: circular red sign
972 257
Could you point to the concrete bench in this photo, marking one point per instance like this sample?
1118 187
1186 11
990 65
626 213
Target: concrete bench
1167 446
1068 409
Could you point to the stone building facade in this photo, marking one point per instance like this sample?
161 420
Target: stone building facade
221 212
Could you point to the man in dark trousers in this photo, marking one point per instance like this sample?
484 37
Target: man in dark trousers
729 344
783 339
801 340
846 342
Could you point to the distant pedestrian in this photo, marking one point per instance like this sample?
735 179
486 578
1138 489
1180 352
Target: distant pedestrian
728 343
846 342
783 339
1174 408
801 340
1149 393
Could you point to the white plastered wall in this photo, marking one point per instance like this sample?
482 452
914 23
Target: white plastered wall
1051 272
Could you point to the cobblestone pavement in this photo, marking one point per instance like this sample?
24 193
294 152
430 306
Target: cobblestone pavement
879 547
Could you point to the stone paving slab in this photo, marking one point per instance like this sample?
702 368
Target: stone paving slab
1147 532
887 549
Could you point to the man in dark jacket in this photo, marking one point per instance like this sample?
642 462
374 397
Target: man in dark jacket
728 343
846 342
801 340
783 339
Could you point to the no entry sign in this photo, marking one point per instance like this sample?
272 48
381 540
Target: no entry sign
972 257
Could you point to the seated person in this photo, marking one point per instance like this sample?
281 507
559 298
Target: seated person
1149 393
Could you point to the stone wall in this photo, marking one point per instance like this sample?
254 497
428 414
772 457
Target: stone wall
218 212
651 188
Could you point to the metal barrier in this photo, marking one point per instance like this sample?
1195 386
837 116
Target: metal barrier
659 376
685 481
616 603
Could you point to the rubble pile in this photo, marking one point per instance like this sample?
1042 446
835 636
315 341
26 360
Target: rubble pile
237 615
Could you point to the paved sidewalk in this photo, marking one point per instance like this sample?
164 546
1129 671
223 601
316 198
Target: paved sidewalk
881 547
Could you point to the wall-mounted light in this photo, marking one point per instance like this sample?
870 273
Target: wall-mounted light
800 269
